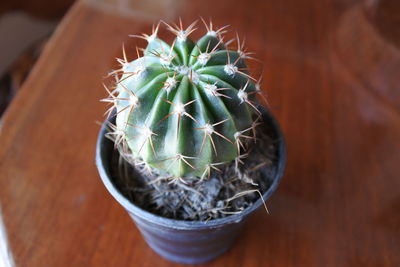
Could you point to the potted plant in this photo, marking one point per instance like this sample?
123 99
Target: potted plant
196 152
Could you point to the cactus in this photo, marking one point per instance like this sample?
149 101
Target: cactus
186 108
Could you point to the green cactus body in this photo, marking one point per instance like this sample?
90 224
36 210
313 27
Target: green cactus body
186 108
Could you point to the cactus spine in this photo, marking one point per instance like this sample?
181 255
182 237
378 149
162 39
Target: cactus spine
187 107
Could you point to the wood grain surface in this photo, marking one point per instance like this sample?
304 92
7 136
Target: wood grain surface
338 204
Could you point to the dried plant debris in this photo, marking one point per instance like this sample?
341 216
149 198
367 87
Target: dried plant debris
228 189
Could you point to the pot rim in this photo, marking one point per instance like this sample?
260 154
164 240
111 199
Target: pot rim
181 224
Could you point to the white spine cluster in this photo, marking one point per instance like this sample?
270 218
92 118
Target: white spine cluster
170 84
230 69
203 58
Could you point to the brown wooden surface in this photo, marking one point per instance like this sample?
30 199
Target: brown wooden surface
338 204
44 9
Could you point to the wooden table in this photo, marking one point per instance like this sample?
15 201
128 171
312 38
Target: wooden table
338 204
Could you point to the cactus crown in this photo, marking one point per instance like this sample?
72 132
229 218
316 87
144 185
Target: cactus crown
187 107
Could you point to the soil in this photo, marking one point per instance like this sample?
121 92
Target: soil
228 191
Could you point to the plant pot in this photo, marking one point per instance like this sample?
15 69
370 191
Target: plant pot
189 242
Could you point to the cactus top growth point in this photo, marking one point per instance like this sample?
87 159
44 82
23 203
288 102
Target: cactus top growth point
185 108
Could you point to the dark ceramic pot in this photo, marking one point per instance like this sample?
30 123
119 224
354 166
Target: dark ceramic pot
189 242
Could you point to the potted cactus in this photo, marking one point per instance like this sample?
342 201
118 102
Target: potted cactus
196 152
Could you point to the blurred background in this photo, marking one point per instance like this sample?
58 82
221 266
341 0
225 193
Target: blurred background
25 26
